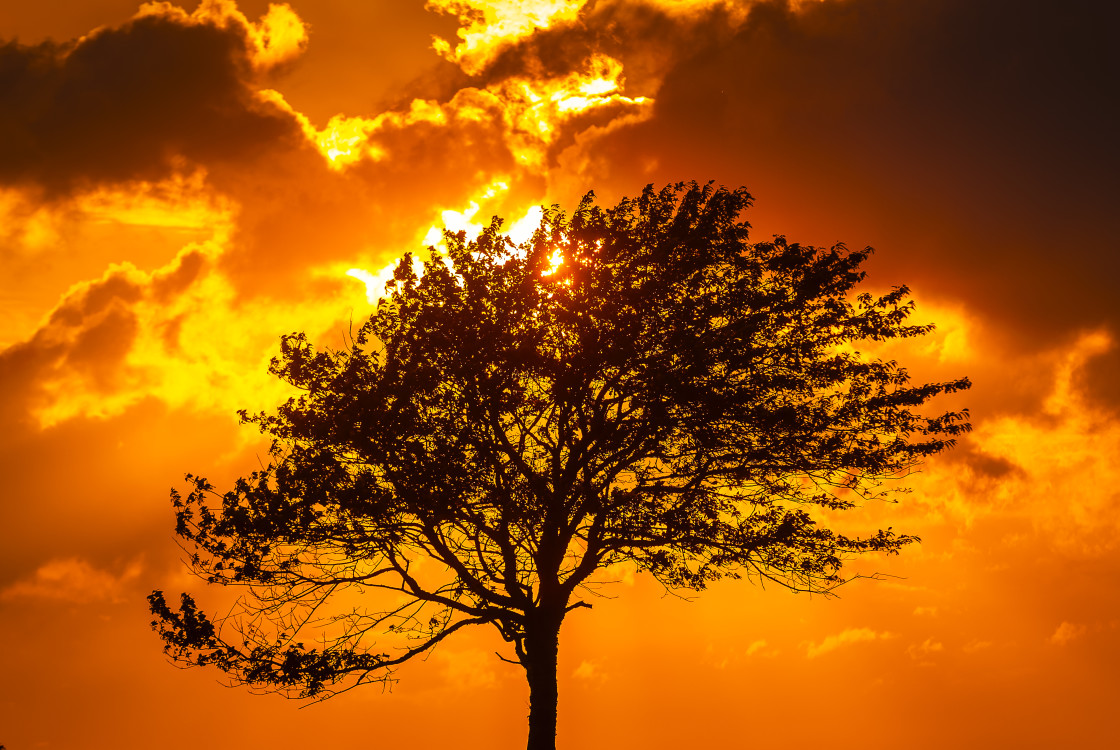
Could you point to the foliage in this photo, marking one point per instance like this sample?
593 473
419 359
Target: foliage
667 394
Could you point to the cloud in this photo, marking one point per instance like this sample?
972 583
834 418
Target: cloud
1066 450
859 120
279 37
79 355
177 334
922 651
761 648
590 671
1045 467
935 130
468 669
373 185
649 37
845 638
942 127
76 581
1067 632
141 101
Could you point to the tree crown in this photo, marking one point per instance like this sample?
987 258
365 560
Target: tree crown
636 383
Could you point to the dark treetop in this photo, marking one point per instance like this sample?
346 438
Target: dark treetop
669 394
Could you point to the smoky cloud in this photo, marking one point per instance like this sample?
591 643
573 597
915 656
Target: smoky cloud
83 343
648 37
972 143
136 102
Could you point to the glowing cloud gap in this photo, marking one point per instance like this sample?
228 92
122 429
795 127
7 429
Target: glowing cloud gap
529 112
374 283
486 27
519 232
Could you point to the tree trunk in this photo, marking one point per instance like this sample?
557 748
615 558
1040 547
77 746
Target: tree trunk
541 645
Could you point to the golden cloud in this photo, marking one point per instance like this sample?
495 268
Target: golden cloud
846 637
1067 632
488 26
278 37
75 581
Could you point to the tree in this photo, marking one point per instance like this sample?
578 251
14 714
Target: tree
636 383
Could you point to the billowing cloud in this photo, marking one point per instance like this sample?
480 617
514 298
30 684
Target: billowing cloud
649 37
938 131
487 27
277 38
141 101
176 334
77 362
1053 468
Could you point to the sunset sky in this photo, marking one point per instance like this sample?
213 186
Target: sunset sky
180 185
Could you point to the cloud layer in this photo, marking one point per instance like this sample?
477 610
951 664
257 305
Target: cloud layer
160 93
170 206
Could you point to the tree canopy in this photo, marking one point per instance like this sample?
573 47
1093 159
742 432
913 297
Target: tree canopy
635 383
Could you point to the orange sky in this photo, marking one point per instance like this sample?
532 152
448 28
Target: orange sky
181 185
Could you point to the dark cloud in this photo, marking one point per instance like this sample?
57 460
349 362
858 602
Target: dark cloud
84 342
131 103
179 276
1101 376
972 142
980 467
88 335
645 37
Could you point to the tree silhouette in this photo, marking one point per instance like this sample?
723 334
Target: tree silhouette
636 383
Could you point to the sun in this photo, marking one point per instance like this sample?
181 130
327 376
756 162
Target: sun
555 261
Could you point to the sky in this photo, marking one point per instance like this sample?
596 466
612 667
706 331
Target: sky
182 184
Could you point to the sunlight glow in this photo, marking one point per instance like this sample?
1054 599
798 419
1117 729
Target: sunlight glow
530 111
374 283
341 140
278 37
1066 451
486 27
25 226
463 221
346 140
536 109
1066 395
187 349
521 231
555 261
